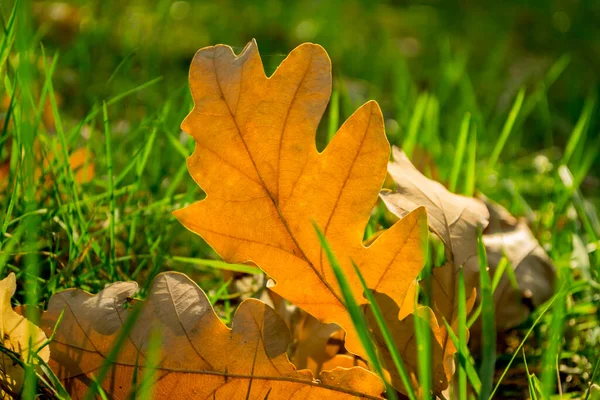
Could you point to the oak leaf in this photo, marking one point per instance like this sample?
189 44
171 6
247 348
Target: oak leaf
315 346
199 356
454 219
533 269
19 336
315 343
266 182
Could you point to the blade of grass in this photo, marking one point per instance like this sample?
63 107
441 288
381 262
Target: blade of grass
111 357
555 335
469 187
532 391
110 262
488 323
507 129
460 152
410 141
149 374
387 336
355 313
502 264
465 360
423 339
218 264
593 378
520 346
462 334
334 113
9 35
580 129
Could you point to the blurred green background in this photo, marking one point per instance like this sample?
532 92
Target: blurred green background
467 56
473 55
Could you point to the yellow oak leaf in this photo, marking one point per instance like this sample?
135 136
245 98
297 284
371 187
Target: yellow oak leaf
19 336
198 357
266 182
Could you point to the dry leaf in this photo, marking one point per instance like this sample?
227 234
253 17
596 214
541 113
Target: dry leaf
199 356
533 269
315 346
454 219
266 183
343 361
314 343
444 293
17 333
403 335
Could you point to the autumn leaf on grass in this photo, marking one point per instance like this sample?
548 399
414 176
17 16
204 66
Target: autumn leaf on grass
266 182
21 337
200 358
454 219
533 269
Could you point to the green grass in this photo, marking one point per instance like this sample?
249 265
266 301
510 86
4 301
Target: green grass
501 103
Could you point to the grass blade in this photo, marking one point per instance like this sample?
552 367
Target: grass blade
111 357
387 336
520 346
111 190
334 114
469 188
410 141
355 313
488 325
462 334
555 337
217 264
507 129
580 129
465 360
460 152
423 339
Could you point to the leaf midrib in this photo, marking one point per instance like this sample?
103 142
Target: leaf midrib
234 376
273 202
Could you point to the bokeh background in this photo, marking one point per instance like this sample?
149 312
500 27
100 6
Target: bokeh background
470 54
464 56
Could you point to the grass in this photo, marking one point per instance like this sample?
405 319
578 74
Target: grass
486 104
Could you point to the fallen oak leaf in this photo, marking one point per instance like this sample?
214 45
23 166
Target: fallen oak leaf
403 335
315 346
20 336
454 219
199 356
266 184
444 292
533 269
343 361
